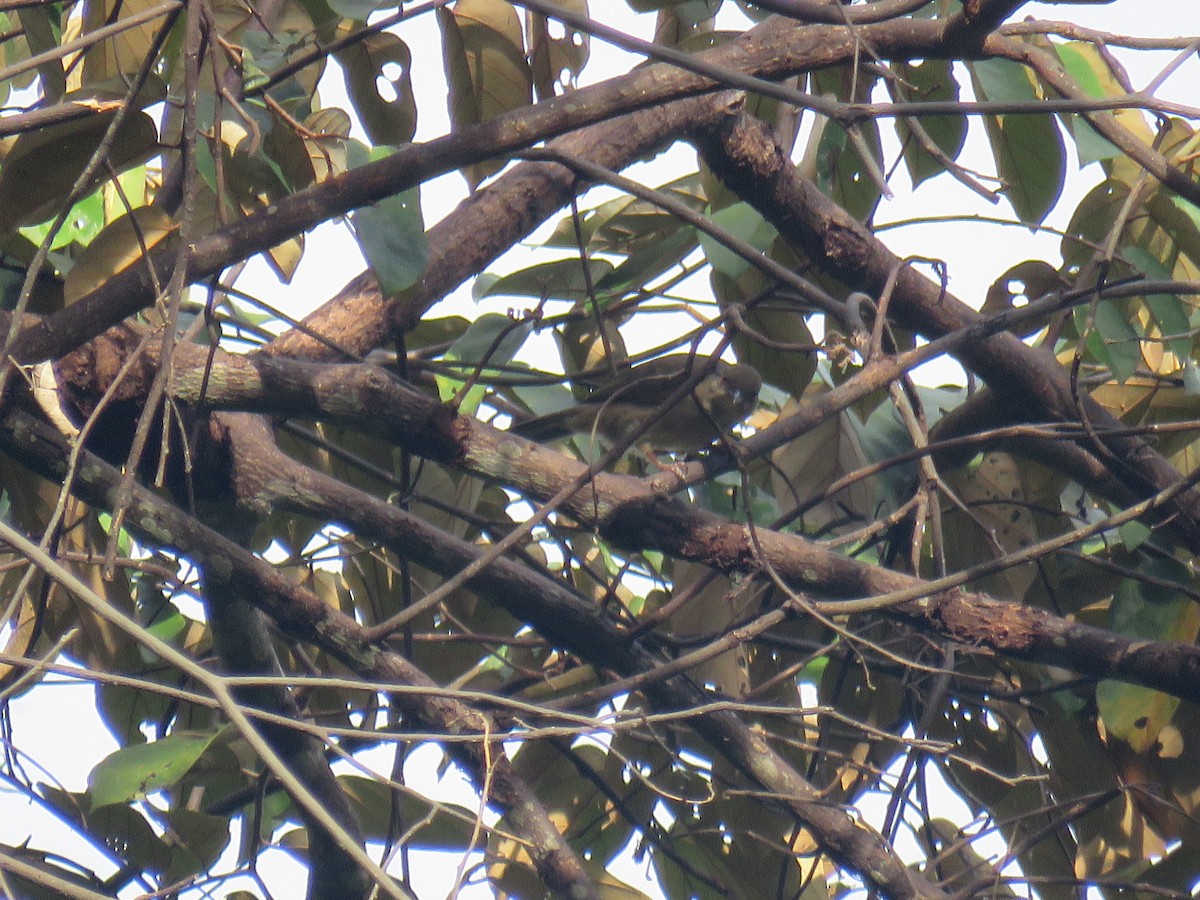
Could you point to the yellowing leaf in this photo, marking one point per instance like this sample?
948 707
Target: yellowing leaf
134 771
1156 612
484 55
118 247
124 53
1028 148
1087 65
39 170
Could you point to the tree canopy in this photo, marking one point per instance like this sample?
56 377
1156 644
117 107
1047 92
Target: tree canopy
274 544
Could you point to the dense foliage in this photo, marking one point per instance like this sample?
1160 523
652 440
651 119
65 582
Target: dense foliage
881 637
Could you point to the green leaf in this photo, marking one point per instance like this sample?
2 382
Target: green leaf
133 772
116 248
200 840
930 80
490 342
1153 611
42 29
1133 534
1087 64
126 828
12 52
391 233
854 187
82 224
1028 148
742 221
1092 220
640 269
110 60
628 225
561 279
1112 340
1167 309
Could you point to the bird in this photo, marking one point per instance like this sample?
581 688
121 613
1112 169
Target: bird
720 400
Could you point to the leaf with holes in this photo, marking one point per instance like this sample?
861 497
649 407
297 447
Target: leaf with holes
377 57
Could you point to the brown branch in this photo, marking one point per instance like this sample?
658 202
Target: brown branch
636 517
774 50
52 115
558 614
1028 381
480 229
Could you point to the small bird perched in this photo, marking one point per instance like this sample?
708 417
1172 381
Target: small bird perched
722 399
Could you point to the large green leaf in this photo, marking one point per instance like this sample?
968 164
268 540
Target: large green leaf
391 233
930 80
741 221
562 279
135 771
1111 339
628 225
1168 310
490 342
1028 148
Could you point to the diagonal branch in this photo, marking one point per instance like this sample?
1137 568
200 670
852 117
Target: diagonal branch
1028 381
562 616
775 50
635 516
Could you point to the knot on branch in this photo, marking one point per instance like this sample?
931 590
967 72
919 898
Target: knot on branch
88 371
659 522
975 622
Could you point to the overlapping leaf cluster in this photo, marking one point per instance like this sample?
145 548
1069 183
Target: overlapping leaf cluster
618 673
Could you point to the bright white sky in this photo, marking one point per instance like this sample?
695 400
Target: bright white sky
57 725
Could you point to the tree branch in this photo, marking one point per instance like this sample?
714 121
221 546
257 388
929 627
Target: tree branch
1028 381
774 50
636 517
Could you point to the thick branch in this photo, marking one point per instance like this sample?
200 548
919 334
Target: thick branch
1029 382
775 50
635 517
557 613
